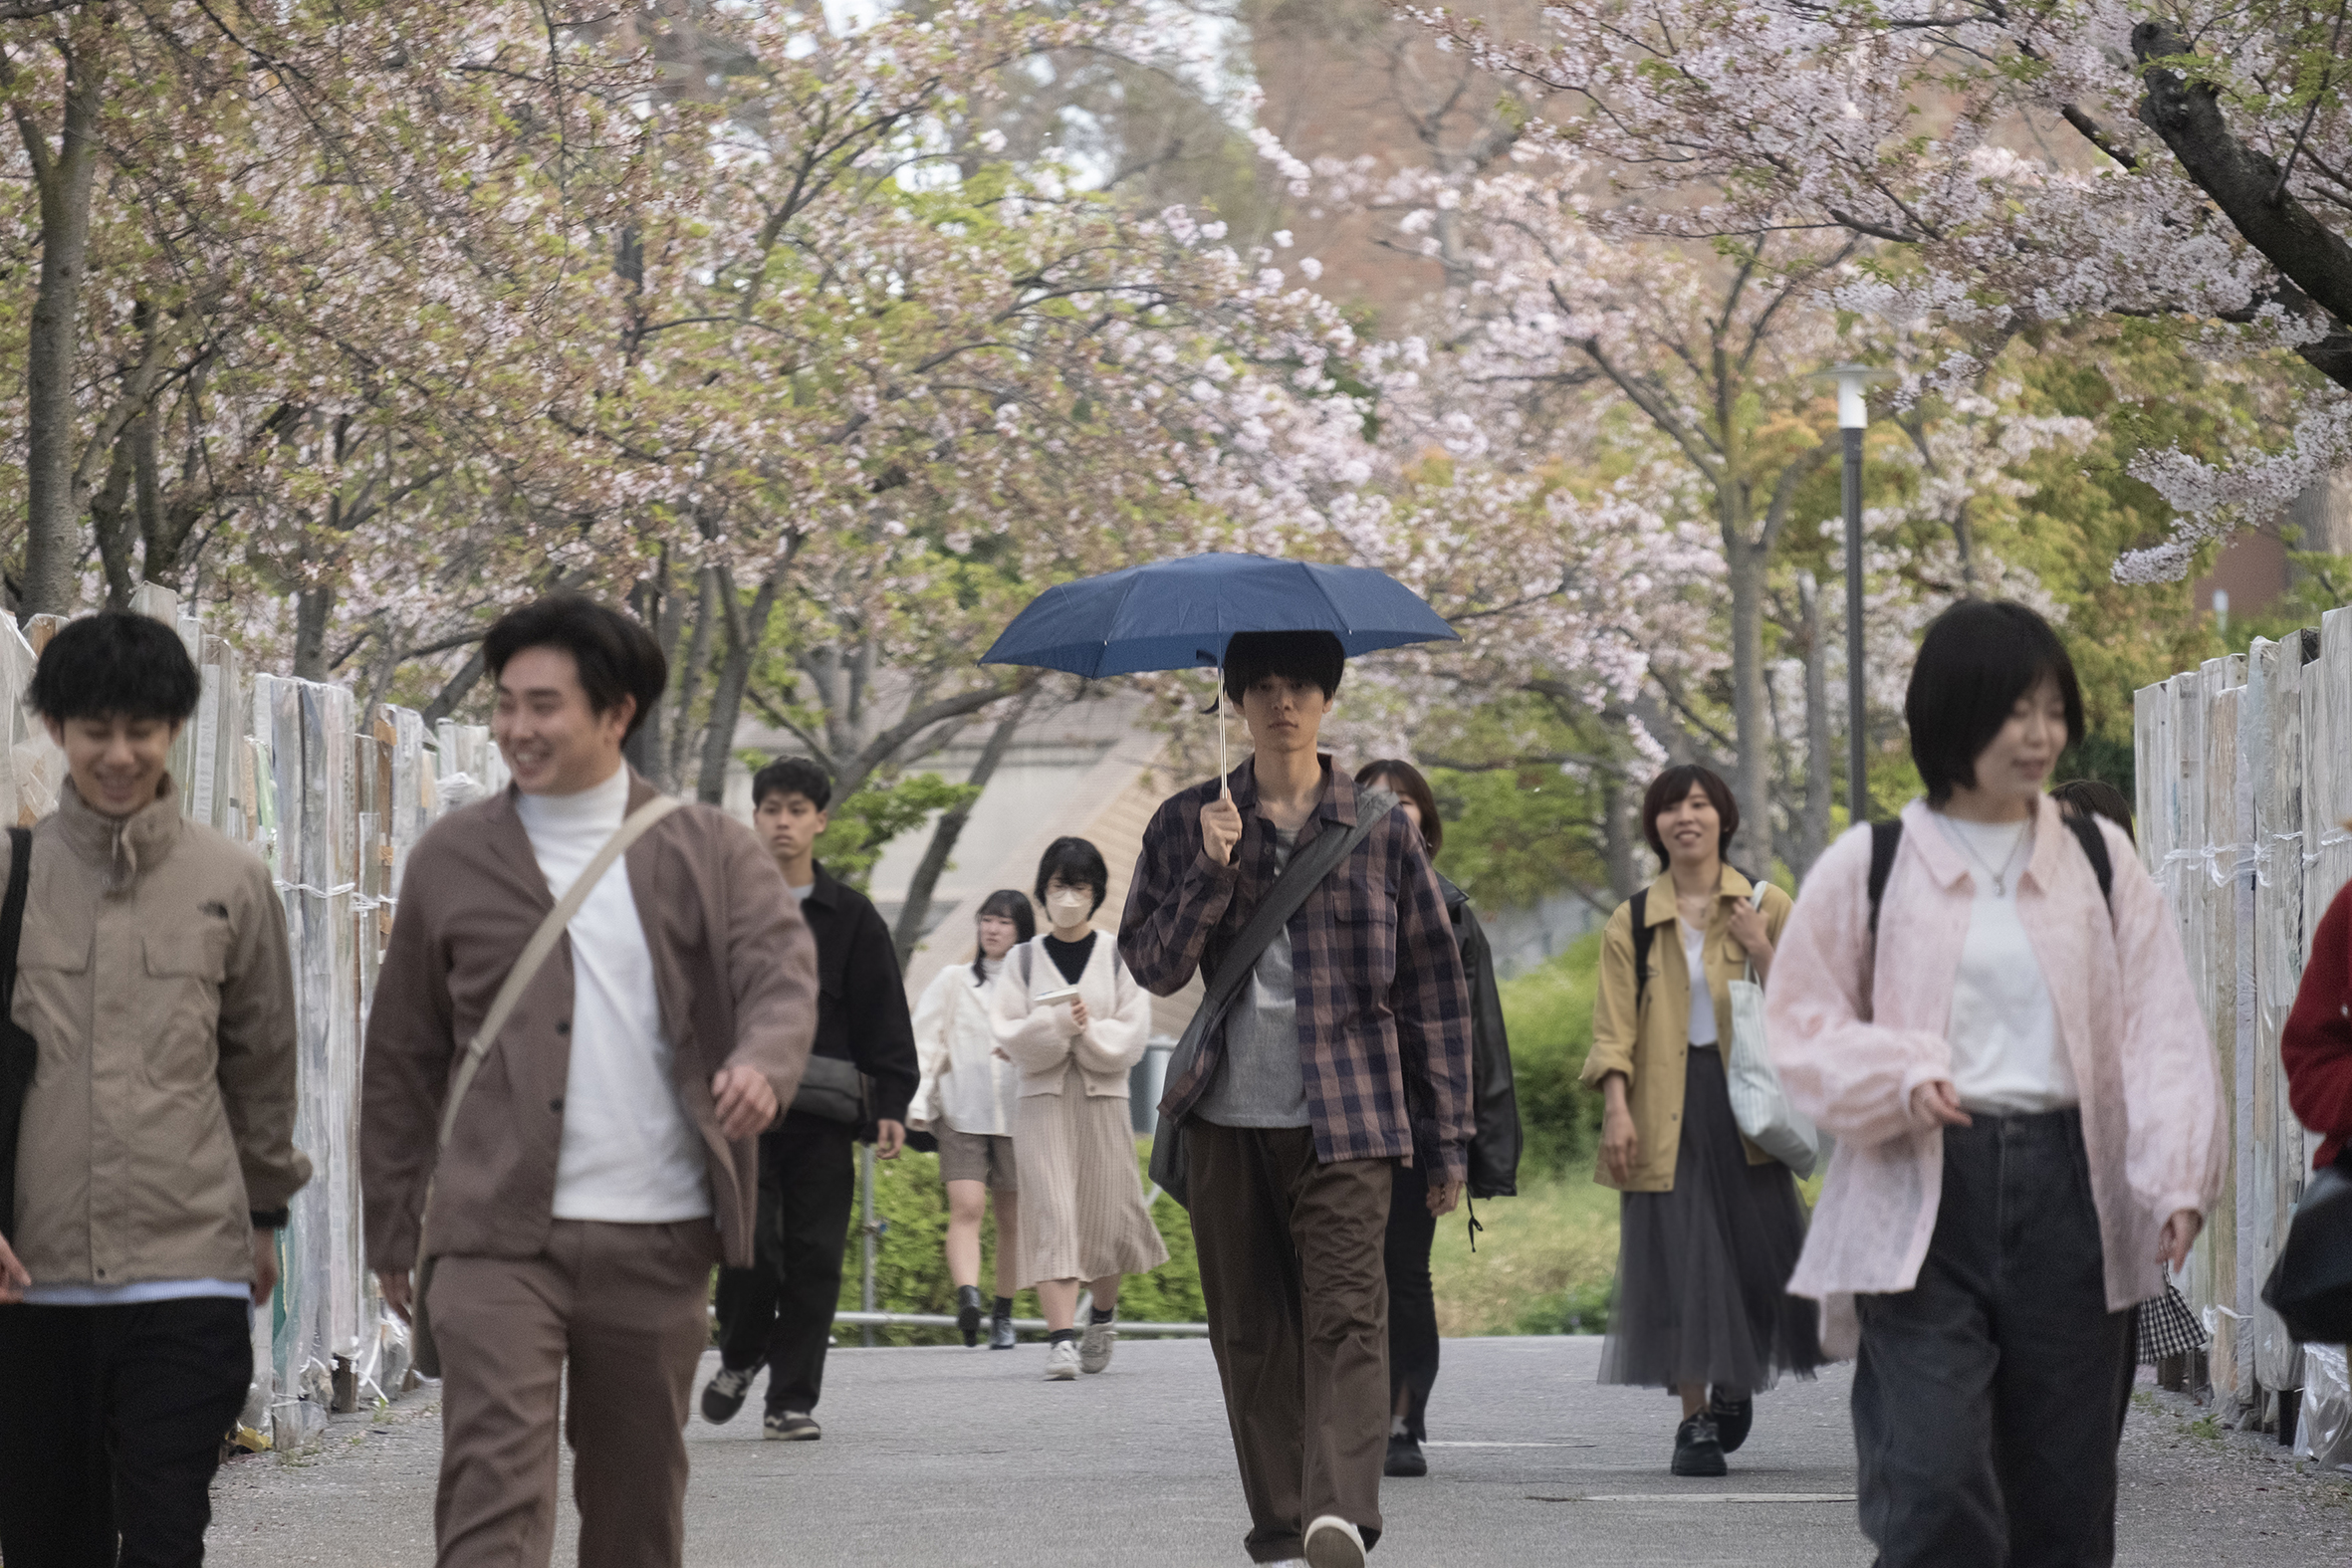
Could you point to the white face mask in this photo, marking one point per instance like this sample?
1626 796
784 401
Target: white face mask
1069 908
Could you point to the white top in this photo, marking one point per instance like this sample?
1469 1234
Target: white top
2006 1053
138 1292
964 1081
629 1155
1694 948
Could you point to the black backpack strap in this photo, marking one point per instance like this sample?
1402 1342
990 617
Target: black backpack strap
1641 949
1885 839
12 912
2094 847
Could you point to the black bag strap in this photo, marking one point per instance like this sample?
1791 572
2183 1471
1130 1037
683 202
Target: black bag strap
12 913
1887 837
1289 891
1643 936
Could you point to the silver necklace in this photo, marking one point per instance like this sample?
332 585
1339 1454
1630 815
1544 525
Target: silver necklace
2001 878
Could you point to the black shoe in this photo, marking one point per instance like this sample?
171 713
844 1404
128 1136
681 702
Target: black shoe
723 1395
1404 1456
1732 1417
968 1313
1696 1448
1001 1335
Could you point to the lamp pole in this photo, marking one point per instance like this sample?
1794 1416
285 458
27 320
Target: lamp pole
1853 417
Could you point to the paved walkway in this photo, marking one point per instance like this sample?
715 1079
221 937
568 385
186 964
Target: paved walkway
939 1457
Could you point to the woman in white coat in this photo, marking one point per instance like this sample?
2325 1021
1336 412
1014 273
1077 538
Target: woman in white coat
966 1099
1067 1014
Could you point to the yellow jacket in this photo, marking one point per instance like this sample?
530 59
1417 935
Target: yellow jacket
1653 1049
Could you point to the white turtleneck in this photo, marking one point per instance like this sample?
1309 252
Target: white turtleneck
629 1153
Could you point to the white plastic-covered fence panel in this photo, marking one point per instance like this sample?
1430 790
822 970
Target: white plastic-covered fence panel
2243 792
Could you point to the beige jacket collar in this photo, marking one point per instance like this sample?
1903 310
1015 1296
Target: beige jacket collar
121 846
1658 907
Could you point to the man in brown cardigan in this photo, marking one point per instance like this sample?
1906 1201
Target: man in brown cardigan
604 1157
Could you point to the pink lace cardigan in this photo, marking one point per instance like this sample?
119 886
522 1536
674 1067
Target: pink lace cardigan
1850 1045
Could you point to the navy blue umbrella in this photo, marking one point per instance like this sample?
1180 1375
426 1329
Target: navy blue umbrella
1179 614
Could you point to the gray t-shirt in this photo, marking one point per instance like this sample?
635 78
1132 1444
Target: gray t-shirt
1257 1083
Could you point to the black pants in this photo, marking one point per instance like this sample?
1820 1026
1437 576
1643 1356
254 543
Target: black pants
781 1310
1412 1301
110 1425
1984 1397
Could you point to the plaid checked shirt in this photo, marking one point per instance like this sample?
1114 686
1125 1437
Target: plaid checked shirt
1383 1010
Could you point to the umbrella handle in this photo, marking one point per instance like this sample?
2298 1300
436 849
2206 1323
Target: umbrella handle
1223 778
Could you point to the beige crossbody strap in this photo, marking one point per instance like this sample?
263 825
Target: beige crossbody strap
542 942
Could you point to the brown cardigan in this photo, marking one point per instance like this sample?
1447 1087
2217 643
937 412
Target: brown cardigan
733 963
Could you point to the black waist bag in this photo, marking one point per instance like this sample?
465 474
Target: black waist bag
833 1088
2310 1287
19 1052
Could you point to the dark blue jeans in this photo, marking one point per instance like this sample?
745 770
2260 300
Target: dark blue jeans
1984 1397
110 1425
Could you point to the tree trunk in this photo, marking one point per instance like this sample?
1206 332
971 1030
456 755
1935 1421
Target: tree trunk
1753 786
459 687
111 519
650 602
1617 836
314 610
65 178
914 918
746 630
698 653
1820 761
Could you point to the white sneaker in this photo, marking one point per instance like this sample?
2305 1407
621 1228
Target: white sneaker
1333 1542
1095 1349
1062 1361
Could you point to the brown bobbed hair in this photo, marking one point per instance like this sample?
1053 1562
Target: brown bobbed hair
1674 785
1405 781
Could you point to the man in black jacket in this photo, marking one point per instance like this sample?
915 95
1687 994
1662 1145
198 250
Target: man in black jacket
779 1311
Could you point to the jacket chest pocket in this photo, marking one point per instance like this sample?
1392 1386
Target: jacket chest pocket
1363 937
179 1015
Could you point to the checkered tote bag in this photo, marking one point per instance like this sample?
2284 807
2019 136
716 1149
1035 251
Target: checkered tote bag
2168 1327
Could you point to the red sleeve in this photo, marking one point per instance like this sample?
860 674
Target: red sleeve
2316 1048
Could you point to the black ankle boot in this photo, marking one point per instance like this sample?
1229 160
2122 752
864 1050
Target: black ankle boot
968 1313
1698 1449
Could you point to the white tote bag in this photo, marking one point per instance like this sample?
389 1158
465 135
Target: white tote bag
1758 1104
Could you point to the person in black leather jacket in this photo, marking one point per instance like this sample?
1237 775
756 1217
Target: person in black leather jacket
1493 1150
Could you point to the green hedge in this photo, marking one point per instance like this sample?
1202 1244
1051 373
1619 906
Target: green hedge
1549 1012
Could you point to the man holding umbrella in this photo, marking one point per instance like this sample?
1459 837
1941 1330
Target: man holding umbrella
1346 1050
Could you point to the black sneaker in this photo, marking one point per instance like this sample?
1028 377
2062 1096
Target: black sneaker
1697 1451
723 1395
1404 1456
1732 1417
999 1333
968 1313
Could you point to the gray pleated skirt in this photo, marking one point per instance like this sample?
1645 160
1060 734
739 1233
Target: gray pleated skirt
1703 1270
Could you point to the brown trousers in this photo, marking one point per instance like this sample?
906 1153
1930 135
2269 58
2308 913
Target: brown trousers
1290 1266
628 1306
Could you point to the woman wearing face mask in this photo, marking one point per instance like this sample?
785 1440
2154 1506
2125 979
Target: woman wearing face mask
1083 1216
966 1099
1493 1148
1709 1224
2012 1061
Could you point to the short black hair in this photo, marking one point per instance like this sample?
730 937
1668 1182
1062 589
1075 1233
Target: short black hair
1250 656
1404 781
1008 903
1078 865
617 656
1977 659
2096 797
115 664
792 776
1672 788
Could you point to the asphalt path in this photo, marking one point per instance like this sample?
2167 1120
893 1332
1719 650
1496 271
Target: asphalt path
970 1459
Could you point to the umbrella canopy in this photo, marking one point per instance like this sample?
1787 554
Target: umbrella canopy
1177 614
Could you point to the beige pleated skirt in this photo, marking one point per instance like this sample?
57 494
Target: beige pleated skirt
1081 1200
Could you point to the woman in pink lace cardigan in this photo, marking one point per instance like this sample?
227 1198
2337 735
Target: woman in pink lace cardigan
2025 1110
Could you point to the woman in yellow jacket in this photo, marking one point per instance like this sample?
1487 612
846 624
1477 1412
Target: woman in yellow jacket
1710 1224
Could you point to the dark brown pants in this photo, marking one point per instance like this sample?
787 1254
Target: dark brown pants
1289 1252
627 1306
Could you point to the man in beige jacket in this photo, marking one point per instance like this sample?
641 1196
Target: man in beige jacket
155 1156
604 1158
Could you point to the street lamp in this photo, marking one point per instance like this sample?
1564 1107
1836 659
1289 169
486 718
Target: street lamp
1853 415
